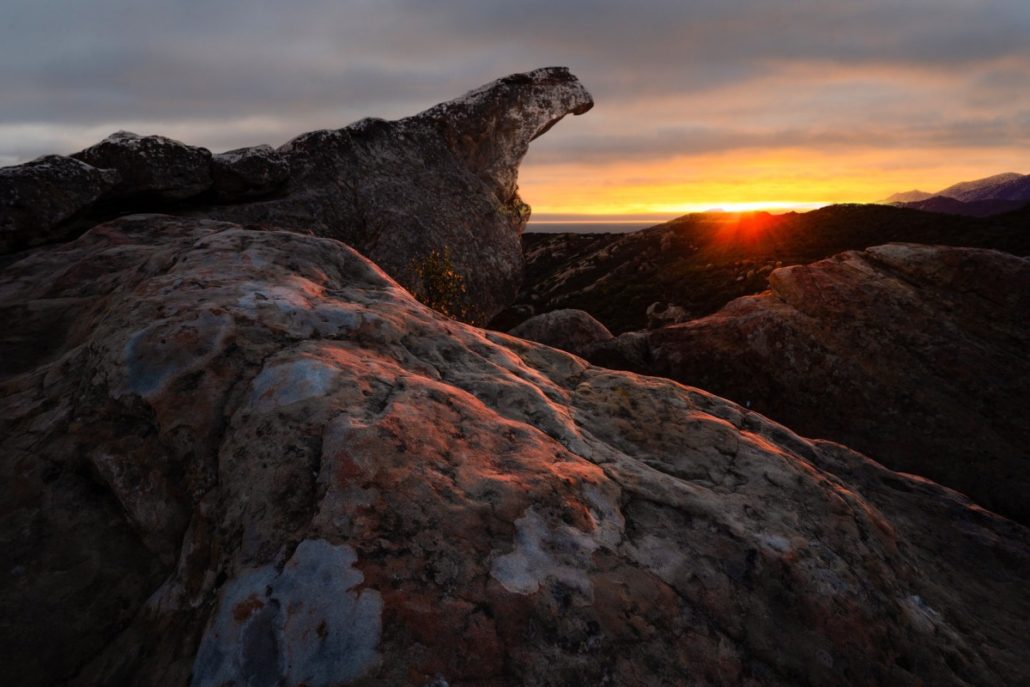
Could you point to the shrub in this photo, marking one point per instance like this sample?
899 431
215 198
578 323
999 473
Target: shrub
440 286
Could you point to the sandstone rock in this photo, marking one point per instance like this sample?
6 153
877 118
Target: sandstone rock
915 355
39 197
569 330
443 181
249 457
247 173
160 167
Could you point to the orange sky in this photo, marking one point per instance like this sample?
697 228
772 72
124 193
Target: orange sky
749 180
794 135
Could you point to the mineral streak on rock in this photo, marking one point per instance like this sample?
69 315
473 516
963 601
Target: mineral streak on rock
332 484
305 625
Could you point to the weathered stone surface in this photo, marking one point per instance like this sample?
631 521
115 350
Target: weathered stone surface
915 355
154 165
430 195
569 330
248 172
441 181
38 197
249 457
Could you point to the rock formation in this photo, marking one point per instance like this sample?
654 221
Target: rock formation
242 456
443 182
39 199
569 330
152 166
915 355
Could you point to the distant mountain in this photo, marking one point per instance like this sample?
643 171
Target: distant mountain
912 196
978 198
973 208
1009 186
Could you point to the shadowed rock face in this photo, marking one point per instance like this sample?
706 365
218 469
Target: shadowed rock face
569 330
442 182
915 355
39 198
249 457
155 165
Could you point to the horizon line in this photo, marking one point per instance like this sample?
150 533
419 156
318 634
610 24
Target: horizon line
699 208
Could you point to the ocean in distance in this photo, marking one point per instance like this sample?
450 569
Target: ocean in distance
587 227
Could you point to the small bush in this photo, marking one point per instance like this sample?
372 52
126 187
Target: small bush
440 286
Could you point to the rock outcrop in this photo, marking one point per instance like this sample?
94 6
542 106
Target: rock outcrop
439 185
569 330
39 199
153 166
915 355
443 181
249 457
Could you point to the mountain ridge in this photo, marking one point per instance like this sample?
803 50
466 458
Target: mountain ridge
977 198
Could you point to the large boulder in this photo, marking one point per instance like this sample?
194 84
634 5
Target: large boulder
915 355
249 457
39 198
431 195
152 166
569 330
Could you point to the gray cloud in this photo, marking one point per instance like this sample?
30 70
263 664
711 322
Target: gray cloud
228 72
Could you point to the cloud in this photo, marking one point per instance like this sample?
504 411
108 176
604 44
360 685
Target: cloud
671 78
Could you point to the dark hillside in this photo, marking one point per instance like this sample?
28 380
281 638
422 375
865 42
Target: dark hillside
701 262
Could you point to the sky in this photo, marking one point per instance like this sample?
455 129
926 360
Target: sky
699 104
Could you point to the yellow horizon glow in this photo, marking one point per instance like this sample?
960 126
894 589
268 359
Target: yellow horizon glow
746 181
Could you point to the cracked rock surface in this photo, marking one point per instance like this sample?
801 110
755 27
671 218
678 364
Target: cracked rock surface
249 457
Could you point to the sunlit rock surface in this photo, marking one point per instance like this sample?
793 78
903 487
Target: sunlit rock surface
244 457
915 355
